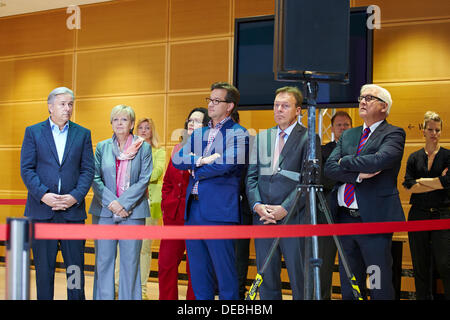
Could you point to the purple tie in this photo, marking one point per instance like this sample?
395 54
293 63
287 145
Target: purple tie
349 192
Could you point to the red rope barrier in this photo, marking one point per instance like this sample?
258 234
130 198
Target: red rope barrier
14 202
96 232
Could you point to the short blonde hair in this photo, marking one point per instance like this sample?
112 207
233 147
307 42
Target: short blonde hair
154 141
121 108
383 94
431 116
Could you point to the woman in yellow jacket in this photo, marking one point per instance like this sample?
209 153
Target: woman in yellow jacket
147 130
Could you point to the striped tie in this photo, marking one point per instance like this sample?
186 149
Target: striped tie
349 192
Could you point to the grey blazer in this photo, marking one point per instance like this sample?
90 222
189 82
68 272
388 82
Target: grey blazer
265 185
104 185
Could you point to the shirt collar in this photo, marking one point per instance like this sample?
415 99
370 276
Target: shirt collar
373 126
54 126
288 130
220 124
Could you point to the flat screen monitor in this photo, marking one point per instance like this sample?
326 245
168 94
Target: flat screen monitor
253 64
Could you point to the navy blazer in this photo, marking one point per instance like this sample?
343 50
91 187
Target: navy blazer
40 169
219 186
378 197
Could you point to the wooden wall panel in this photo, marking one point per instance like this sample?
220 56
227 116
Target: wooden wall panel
412 52
196 65
16 117
28 34
121 71
10 173
33 78
10 212
199 18
178 108
409 9
94 114
249 8
123 22
412 100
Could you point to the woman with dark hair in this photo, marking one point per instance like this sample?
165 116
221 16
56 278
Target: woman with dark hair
173 206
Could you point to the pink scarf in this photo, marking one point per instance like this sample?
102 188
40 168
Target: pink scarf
123 164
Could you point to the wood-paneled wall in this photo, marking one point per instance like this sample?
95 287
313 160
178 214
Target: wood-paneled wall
161 56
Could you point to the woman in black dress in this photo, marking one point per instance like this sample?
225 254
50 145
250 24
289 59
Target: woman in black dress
428 180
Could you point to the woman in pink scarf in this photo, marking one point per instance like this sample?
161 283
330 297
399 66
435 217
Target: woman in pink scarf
123 166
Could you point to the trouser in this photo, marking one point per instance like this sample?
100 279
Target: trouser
211 262
429 249
44 256
170 256
367 254
105 256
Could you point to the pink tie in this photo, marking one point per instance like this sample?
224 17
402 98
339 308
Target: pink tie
279 148
349 191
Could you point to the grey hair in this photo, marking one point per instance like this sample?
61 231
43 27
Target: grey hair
58 91
383 94
121 108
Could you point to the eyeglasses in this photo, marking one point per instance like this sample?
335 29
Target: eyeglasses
369 98
194 121
214 101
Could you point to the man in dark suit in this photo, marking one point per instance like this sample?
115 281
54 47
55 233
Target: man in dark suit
340 122
57 167
366 162
216 156
271 194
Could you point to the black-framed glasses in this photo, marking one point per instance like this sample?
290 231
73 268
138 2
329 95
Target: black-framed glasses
369 98
214 101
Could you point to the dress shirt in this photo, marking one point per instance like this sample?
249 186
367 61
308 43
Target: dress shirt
211 136
60 138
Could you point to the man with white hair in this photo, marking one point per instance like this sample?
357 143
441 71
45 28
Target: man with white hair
57 167
366 162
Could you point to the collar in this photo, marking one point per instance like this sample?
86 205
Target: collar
288 130
220 124
54 126
373 127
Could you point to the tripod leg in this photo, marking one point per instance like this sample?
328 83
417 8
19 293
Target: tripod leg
350 276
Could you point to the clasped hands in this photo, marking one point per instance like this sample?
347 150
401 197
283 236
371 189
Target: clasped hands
58 201
117 209
270 213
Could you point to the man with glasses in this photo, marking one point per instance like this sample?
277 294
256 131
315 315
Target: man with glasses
216 156
366 162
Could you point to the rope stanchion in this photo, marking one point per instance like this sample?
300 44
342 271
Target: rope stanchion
96 232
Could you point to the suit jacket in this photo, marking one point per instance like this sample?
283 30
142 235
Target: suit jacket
326 151
41 171
378 197
268 186
218 189
133 199
174 193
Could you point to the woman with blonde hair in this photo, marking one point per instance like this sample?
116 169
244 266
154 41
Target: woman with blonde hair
146 129
123 166
428 180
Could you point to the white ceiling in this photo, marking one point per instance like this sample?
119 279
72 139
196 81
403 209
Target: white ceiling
14 7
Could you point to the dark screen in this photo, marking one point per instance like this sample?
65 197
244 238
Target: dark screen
253 69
